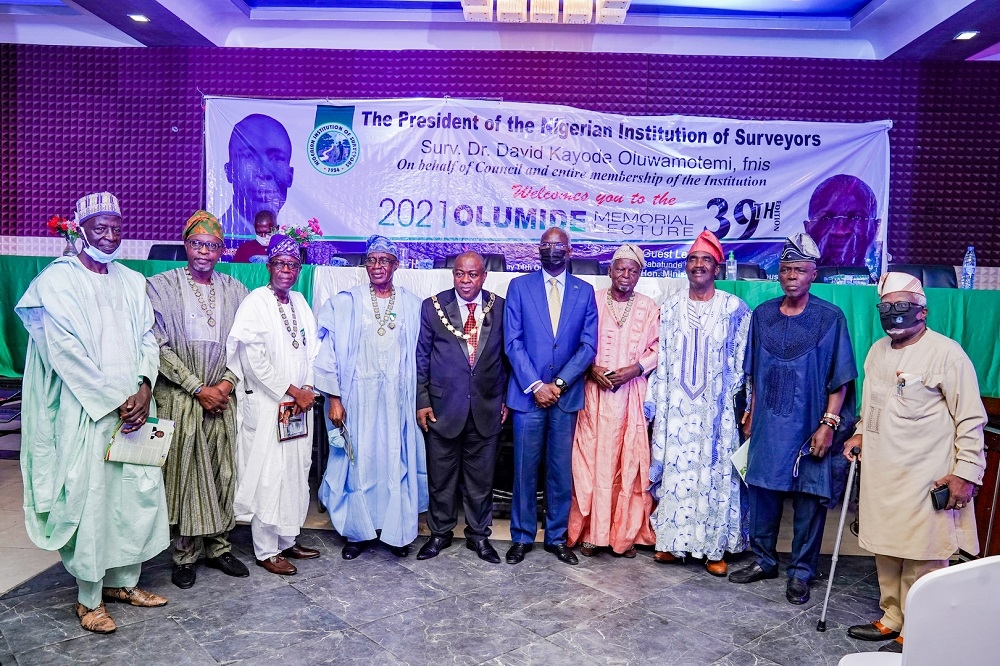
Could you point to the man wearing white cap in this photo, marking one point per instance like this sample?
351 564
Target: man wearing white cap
801 367
921 428
703 339
91 364
610 506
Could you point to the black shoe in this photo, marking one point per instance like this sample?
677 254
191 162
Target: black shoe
873 631
433 547
400 551
485 550
229 565
751 574
892 646
515 554
796 591
183 576
353 548
563 552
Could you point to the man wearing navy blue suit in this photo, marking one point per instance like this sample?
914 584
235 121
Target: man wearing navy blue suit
550 334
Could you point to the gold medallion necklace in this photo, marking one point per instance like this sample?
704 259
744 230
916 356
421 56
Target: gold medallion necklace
620 320
390 317
454 331
293 328
209 308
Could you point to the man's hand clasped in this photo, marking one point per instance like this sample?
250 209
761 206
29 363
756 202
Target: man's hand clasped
215 399
135 410
547 395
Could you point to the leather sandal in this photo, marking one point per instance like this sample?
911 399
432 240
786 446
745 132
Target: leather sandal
96 620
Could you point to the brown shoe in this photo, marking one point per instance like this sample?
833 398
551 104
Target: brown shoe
629 552
588 549
97 620
134 596
298 552
666 558
277 564
716 567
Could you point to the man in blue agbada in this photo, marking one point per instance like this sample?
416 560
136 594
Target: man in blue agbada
376 479
92 360
802 368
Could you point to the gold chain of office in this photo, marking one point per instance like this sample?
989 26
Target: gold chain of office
462 335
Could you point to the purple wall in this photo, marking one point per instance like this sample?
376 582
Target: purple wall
75 120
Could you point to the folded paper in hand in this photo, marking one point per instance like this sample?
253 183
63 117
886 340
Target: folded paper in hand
148 445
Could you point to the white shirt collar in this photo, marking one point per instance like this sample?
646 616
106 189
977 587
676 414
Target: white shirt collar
462 303
561 278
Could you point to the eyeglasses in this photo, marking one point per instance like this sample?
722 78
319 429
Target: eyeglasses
853 218
899 307
199 245
380 261
553 246
286 265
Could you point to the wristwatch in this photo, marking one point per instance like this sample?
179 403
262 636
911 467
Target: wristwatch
560 384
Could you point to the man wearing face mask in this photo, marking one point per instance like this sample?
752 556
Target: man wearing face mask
921 427
91 364
255 251
550 335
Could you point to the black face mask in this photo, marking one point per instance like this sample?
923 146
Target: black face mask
551 256
899 320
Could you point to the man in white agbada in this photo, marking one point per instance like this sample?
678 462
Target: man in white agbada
703 339
921 427
271 347
375 484
92 360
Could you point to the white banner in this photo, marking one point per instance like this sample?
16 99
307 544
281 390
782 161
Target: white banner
444 175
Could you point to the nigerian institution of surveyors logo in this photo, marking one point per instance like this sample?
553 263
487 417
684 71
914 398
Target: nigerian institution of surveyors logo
333 148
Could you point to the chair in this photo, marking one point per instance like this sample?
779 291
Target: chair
930 275
744 272
167 252
353 258
585 267
828 272
495 263
950 619
10 406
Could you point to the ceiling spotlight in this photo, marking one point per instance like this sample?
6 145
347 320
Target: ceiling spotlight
139 18
966 34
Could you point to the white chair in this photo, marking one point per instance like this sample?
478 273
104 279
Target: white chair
950 619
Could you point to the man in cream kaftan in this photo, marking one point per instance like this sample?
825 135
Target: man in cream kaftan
610 506
921 426
272 487
91 353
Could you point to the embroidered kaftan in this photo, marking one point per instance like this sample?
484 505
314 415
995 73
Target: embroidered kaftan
699 372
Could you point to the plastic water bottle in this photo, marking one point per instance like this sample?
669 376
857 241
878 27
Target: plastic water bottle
969 269
731 267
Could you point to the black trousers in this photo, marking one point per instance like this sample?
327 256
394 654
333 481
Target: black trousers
463 465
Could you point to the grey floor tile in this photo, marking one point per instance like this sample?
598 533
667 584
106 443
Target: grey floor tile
244 627
141 644
454 572
628 579
53 578
454 631
34 620
716 606
341 648
797 642
362 591
544 602
633 635
540 653
743 658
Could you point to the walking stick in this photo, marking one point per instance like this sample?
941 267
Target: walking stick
821 625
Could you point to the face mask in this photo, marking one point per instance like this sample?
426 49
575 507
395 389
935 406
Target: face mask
895 320
101 257
264 240
552 256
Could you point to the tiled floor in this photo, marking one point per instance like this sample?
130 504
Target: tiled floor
454 609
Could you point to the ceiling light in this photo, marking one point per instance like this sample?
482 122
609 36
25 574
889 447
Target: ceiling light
544 11
478 10
512 11
611 11
139 18
577 11
966 34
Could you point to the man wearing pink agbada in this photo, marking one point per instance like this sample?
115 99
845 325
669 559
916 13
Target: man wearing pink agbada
610 506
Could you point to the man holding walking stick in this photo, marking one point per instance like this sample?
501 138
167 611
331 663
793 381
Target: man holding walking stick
921 433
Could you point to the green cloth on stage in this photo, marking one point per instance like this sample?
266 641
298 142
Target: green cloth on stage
91 340
200 472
